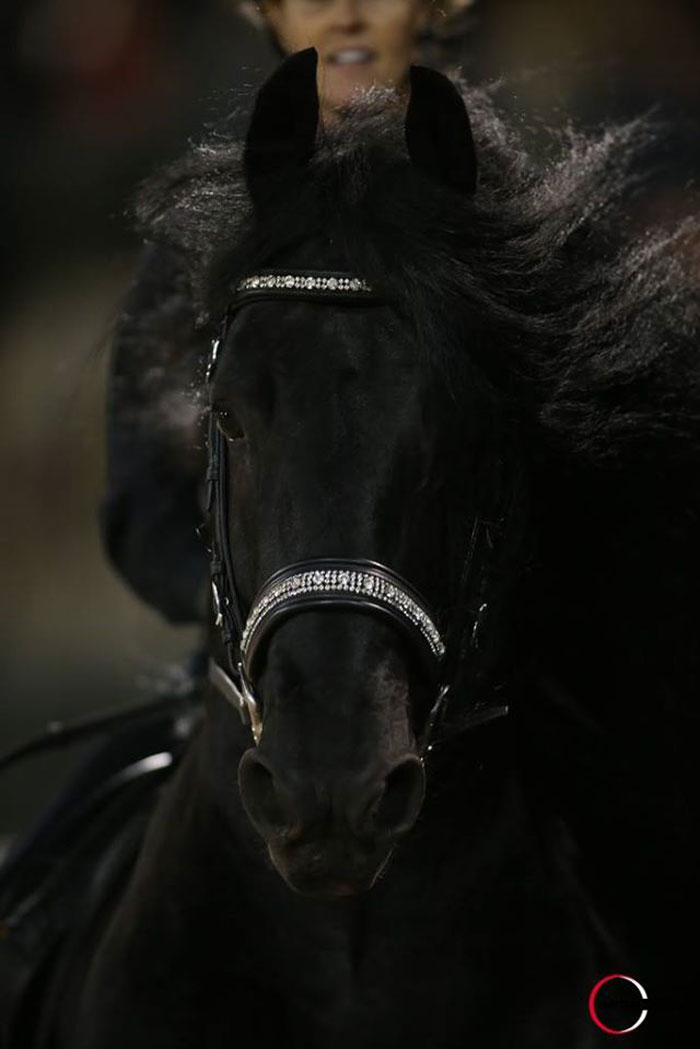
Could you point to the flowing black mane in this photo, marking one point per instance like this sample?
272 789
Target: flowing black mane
536 278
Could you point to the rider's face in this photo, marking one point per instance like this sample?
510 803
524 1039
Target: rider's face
359 42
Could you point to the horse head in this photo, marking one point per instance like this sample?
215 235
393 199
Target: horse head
344 495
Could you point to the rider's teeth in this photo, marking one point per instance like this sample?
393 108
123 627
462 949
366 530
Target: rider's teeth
351 55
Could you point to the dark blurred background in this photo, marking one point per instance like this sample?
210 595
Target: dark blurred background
94 96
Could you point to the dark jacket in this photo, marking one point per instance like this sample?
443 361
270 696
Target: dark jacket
151 516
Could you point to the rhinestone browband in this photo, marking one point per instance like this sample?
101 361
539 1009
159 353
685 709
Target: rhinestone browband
358 586
303 282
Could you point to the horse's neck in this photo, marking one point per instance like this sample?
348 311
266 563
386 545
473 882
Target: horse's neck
609 726
170 919
622 574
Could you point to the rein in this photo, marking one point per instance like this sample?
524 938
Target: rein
324 582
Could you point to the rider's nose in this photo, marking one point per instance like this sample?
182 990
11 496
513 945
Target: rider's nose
346 13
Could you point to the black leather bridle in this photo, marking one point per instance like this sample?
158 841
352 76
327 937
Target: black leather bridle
331 582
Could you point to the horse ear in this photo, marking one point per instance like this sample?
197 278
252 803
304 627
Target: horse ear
282 131
438 132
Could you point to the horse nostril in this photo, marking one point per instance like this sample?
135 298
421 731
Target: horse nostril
260 798
386 810
394 809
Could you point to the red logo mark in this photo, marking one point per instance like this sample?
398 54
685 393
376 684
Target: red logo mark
592 1004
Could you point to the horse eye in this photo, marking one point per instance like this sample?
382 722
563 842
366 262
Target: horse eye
229 425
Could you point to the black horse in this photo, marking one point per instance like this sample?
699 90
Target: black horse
453 423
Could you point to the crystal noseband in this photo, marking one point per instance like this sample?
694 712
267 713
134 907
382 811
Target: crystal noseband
323 583
347 583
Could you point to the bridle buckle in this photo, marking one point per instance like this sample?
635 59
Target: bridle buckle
239 695
251 703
